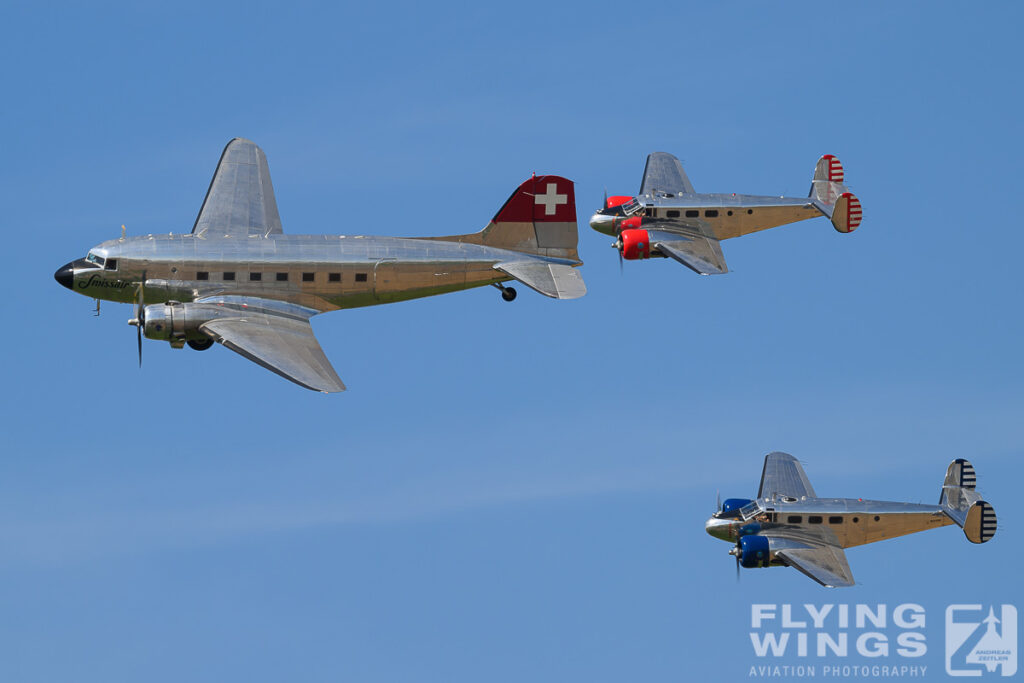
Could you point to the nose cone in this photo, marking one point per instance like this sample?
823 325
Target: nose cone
65 275
603 223
719 528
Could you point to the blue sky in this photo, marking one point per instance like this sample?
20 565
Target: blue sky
507 492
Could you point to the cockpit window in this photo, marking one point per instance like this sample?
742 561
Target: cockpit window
750 510
93 258
631 207
111 264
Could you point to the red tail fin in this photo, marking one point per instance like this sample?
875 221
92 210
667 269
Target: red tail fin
540 199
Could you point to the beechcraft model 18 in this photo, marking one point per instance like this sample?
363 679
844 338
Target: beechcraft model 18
789 525
238 280
670 219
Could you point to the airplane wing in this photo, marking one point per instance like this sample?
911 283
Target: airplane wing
783 474
816 552
275 335
550 279
240 200
700 254
825 564
664 174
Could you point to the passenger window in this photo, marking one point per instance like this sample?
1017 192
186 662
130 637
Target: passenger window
711 213
814 519
692 213
360 277
202 275
334 277
835 520
672 214
794 519
255 277
282 277
229 275
307 277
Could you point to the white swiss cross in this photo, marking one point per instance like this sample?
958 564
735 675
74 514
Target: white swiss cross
551 199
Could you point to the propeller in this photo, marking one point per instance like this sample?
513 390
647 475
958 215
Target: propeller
617 245
735 551
718 501
139 321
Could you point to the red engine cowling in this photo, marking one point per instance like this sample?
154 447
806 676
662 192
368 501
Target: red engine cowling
616 200
635 244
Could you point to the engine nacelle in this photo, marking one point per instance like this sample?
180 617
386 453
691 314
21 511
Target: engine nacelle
616 200
174 321
731 506
636 243
755 551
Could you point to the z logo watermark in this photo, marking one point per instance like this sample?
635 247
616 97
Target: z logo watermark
977 644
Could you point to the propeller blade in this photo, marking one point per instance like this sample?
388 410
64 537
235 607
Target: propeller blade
718 501
605 202
737 569
140 315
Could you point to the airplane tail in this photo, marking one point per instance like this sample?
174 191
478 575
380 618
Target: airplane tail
832 197
961 503
539 218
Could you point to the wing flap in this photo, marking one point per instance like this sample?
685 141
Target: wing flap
550 279
240 200
664 174
284 345
783 474
825 564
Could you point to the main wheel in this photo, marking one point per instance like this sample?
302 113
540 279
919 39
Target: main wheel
200 345
508 294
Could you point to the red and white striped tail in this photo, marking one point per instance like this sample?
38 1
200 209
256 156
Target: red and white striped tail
829 168
848 213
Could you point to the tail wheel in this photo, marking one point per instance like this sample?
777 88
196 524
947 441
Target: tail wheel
508 294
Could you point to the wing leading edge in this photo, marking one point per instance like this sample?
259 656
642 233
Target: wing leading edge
240 199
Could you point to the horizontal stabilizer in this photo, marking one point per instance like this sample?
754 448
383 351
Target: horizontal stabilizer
963 504
550 279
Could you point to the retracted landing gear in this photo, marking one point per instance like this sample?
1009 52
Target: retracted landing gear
200 345
507 293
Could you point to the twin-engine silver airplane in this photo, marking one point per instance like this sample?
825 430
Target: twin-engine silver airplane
670 219
789 525
238 280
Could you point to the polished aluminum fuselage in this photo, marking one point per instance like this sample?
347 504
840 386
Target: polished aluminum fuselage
732 215
853 521
322 272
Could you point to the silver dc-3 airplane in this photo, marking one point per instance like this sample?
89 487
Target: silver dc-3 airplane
670 219
789 525
238 280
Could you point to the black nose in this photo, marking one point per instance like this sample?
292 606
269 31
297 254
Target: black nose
65 275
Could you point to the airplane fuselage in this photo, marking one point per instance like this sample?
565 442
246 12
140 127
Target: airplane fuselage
853 521
322 272
720 216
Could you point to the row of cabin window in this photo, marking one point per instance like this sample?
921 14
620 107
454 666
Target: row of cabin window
817 519
694 213
281 277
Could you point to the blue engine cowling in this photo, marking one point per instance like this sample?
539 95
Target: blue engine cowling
754 552
731 506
